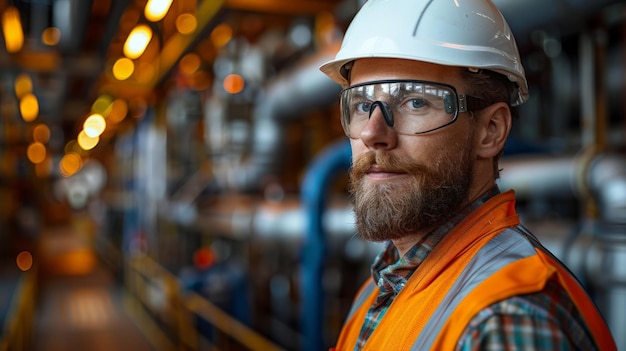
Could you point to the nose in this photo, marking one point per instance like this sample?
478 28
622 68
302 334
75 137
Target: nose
385 109
378 133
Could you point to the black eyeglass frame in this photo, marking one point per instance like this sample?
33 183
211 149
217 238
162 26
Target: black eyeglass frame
464 103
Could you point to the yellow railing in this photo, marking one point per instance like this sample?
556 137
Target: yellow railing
18 326
166 315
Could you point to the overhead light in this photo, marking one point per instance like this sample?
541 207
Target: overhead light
157 9
94 125
123 68
137 41
12 29
86 142
29 107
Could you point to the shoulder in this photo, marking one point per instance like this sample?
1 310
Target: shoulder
546 320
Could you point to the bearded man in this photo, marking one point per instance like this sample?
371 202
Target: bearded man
429 91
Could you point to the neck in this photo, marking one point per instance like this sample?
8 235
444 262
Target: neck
405 243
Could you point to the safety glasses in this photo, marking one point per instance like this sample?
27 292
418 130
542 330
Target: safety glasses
408 106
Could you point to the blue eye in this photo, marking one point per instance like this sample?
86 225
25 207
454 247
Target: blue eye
417 103
363 107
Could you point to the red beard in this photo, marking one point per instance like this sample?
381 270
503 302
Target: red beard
396 209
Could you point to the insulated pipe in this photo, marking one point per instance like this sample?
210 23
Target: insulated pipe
288 97
606 253
532 176
289 223
334 159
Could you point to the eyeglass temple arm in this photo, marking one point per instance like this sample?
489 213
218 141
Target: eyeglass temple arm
472 103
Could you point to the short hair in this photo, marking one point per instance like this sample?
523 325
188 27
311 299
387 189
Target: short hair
493 87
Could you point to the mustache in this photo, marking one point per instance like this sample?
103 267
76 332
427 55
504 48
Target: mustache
388 162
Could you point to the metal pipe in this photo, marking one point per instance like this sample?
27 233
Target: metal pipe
534 176
289 223
597 251
606 269
607 181
286 98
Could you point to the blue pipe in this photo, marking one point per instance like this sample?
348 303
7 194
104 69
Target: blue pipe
336 158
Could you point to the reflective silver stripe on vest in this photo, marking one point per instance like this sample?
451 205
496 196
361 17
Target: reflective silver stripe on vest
509 246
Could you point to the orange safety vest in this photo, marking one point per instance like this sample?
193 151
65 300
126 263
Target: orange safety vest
486 258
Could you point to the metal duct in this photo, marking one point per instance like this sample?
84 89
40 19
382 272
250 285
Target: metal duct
288 97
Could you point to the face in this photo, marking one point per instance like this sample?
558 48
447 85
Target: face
407 184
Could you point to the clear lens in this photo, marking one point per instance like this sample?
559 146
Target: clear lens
410 107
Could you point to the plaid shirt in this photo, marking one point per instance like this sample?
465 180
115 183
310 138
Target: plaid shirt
533 321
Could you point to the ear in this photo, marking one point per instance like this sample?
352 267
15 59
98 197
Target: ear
494 123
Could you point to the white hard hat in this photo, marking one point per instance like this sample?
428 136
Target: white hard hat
465 33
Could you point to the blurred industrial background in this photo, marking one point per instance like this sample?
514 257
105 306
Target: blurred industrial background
175 179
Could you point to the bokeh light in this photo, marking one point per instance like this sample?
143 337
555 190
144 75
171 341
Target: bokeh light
102 105
186 23
233 83
29 107
221 35
51 36
36 152
137 41
70 164
86 142
23 85
157 9
94 125
123 68
24 261
12 29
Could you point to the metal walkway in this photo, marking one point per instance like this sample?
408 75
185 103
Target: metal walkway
84 312
69 300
